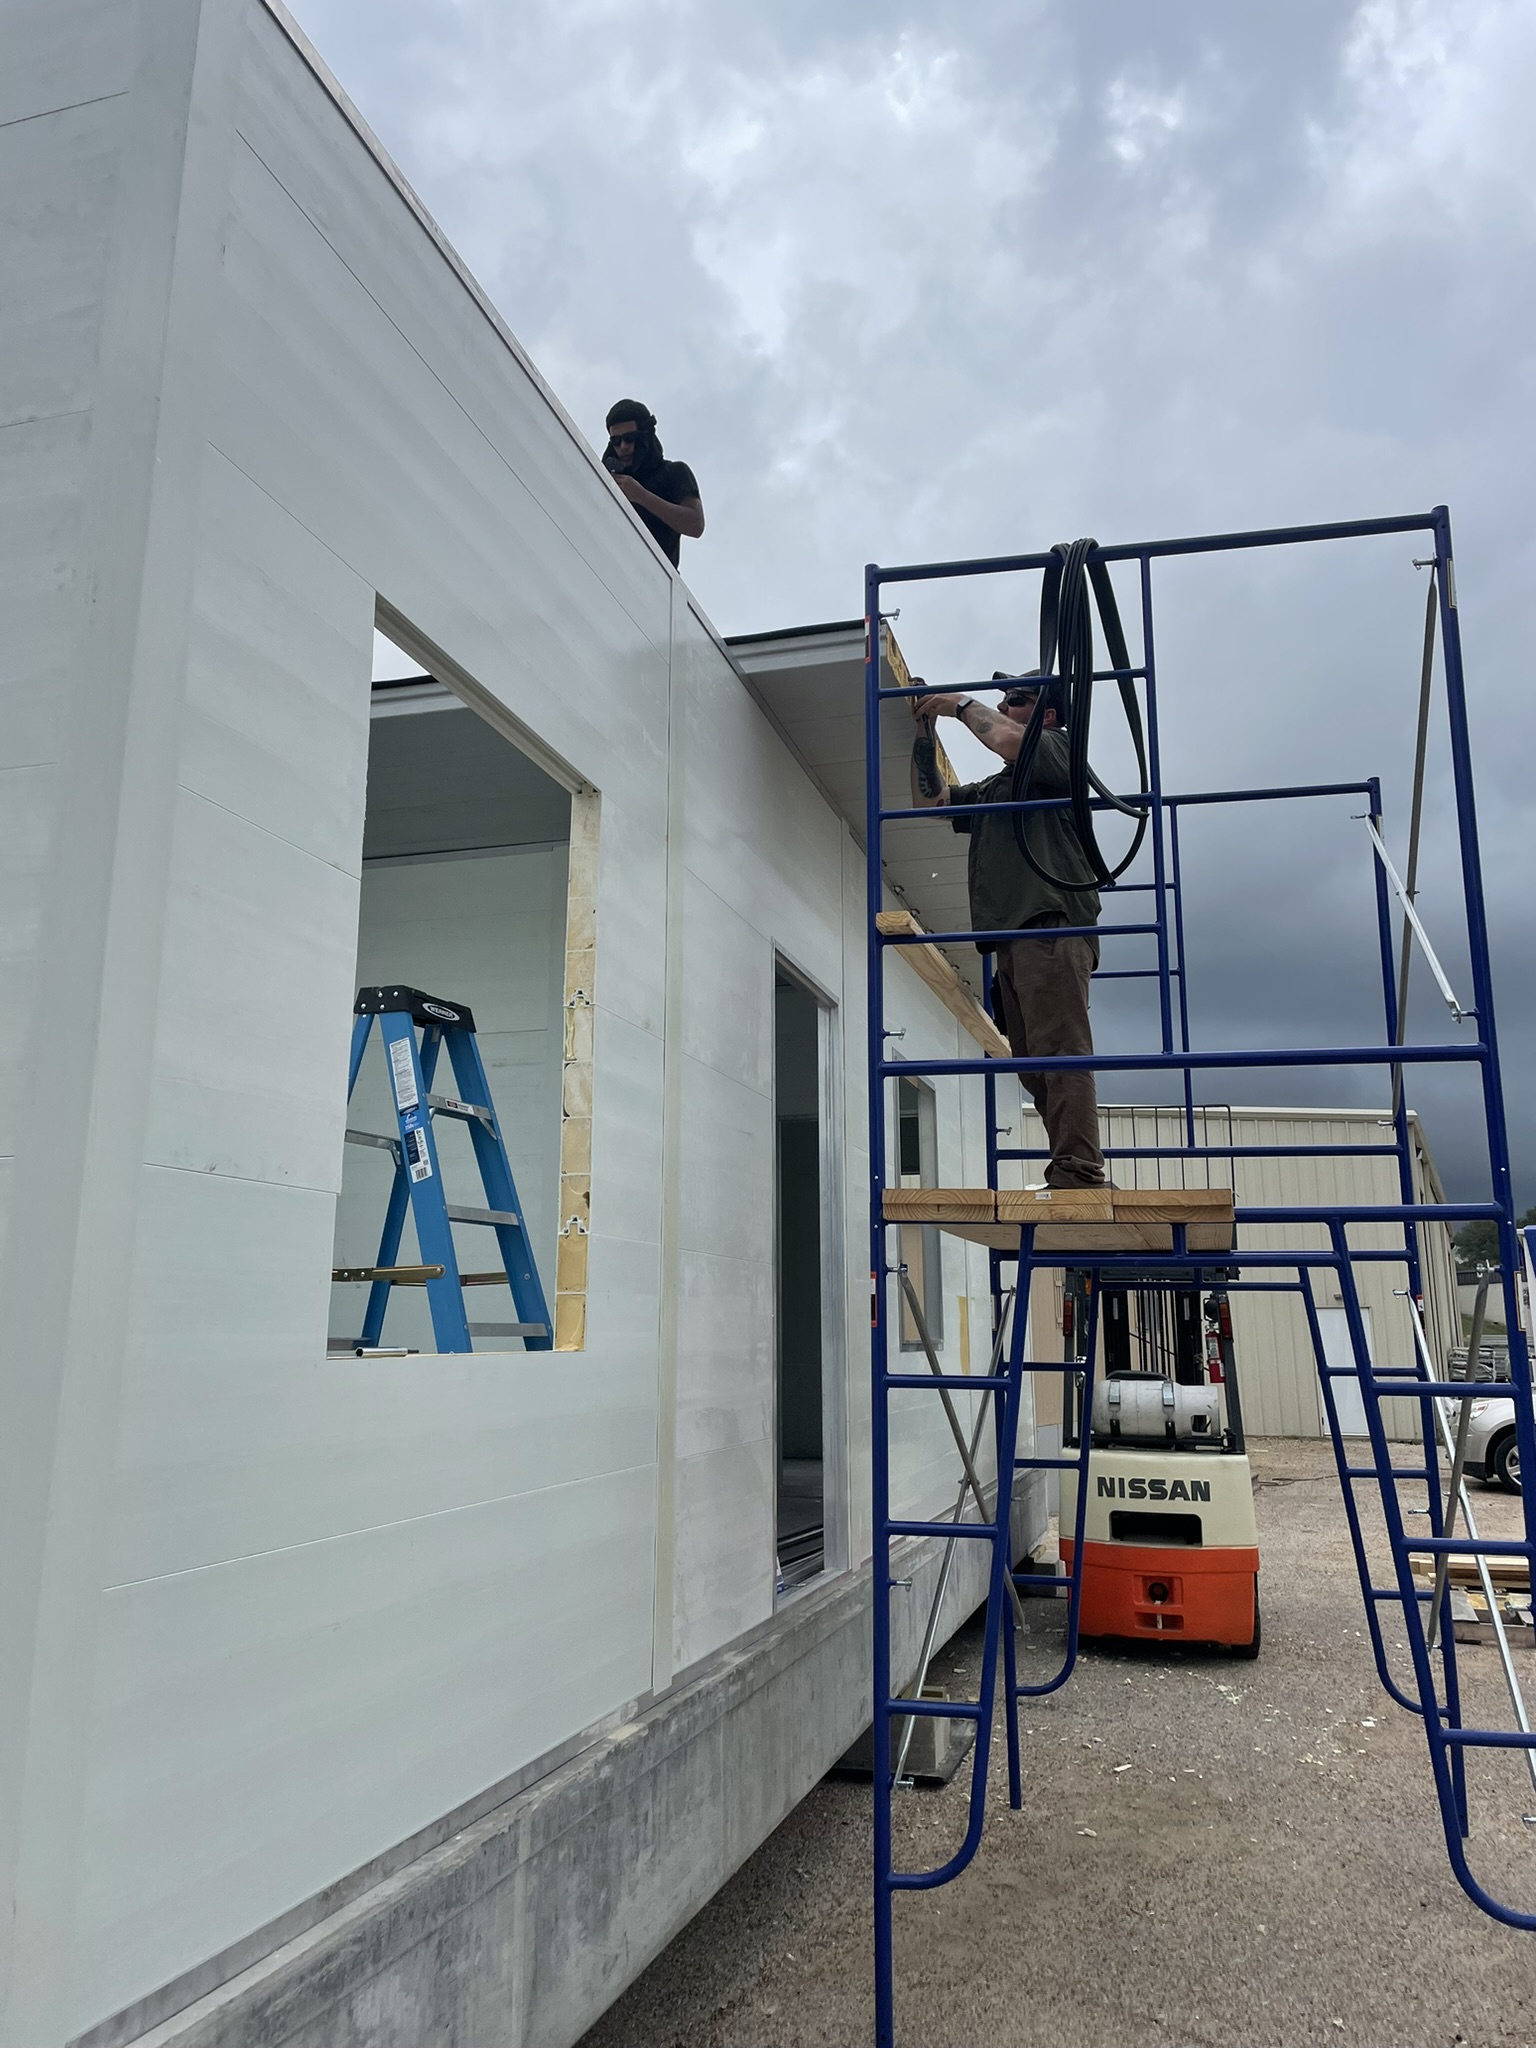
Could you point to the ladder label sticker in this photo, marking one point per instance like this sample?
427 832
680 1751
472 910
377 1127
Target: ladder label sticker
402 1071
417 1159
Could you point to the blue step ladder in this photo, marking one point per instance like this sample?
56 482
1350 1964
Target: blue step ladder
418 1181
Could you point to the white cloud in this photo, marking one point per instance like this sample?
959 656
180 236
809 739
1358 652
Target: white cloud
1441 96
1140 119
905 282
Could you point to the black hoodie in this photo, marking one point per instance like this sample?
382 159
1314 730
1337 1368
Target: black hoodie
673 481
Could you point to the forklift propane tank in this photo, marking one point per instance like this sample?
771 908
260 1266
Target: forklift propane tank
1138 1407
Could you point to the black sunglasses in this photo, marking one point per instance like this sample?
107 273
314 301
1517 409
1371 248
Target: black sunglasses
622 440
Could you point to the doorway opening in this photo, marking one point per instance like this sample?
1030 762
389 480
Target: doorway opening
801 1043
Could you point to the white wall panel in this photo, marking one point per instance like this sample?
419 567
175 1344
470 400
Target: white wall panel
723 1497
623 1306
630 981
725 1352
626 1131
240 1437
724 1506
42 466
253 1720
760 834
722 1397
221 1449
727 989
276 725
58 199
26 820
63 53
727 1192
343 1596
58 191
250 1066
105 272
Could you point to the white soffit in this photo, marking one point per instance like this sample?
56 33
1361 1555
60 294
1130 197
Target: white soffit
810 681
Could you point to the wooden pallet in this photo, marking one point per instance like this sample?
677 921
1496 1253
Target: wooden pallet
1471 1623
1507 1573
1073 1219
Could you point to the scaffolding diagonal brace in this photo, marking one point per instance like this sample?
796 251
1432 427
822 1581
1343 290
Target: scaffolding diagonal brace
1413 918
972 1480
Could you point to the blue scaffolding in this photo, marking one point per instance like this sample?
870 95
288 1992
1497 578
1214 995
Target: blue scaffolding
1434 1693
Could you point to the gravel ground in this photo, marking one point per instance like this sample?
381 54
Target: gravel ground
1246 1855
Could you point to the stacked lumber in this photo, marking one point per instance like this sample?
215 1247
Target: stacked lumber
1072 1219
1472 1623
1508 1573
1470 1620
930 965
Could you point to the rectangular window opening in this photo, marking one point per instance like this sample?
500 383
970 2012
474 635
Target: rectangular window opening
921 1252
807 1295
477 890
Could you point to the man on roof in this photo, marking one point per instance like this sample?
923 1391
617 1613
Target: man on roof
1042 983
665 495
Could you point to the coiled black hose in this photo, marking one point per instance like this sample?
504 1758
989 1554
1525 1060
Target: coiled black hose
1066 630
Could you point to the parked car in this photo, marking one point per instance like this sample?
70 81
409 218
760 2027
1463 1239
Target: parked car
1492 1452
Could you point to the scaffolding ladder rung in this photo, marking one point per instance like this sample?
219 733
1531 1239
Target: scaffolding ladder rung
934 1710
987 1530
961 1383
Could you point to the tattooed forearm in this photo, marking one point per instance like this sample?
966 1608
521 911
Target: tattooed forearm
980 721
925 767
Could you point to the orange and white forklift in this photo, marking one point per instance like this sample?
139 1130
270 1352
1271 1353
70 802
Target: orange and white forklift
1170 1545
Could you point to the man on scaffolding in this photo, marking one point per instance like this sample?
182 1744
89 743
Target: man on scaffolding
1042 983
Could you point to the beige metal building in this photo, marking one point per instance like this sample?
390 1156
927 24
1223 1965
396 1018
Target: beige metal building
1276 1367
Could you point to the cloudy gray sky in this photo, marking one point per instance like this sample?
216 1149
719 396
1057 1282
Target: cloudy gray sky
910 282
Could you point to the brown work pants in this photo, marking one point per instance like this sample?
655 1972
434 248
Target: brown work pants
1043 984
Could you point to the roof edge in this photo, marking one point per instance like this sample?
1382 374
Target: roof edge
346 107
795 632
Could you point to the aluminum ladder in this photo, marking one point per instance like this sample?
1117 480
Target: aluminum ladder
418 1181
